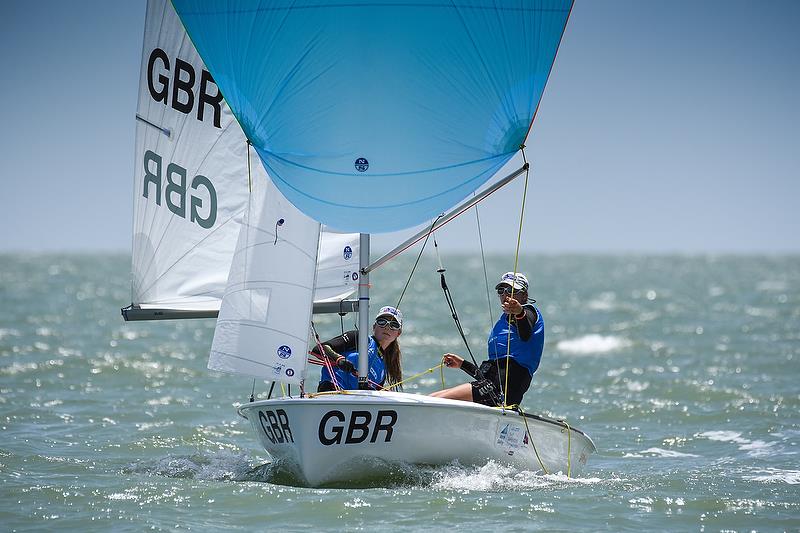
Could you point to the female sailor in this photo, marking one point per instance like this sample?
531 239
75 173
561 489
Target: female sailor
383 354
515 348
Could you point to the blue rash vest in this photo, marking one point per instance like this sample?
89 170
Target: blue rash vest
526 353
347 381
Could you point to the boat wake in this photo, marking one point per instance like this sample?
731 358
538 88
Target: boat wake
499 477
369 473
222 466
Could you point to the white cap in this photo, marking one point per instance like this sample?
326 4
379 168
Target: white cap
392 312
514 279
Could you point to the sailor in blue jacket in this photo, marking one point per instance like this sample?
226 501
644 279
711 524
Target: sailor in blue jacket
515 348
383 355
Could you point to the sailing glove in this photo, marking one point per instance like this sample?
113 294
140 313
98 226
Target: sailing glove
339 360
345 365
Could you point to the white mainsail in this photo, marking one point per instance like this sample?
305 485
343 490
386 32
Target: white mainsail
192 182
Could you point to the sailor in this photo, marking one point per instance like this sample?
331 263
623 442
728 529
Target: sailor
515 347
383 355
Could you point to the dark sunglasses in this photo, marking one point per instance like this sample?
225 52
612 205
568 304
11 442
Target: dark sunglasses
506 290
384 322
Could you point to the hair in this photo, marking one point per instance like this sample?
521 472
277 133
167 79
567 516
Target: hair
522 292
394 372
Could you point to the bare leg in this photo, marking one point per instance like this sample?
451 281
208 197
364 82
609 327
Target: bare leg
461 392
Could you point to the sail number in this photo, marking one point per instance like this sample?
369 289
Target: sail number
276 426
183 78
175 186
334 426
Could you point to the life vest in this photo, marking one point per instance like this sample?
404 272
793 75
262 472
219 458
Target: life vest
526 353
375 363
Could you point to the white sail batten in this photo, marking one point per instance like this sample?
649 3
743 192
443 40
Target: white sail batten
262 328
191 184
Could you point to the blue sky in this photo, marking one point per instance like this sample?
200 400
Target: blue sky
665 127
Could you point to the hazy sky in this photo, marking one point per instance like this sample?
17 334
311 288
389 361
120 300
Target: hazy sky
667 126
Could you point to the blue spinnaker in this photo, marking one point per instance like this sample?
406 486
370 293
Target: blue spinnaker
374 116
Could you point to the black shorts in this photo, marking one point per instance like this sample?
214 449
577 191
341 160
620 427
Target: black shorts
486 391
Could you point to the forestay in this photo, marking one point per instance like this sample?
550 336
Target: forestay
376 115
191 182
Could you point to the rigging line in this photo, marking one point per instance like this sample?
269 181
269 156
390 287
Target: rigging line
516 255
530 436
417 261
451 304
415 376
325 361
569 448
253 392
248 225
483 260
249 178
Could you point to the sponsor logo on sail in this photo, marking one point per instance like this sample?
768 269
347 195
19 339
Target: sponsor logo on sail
361 164
290 372
284 352
348 253
354 276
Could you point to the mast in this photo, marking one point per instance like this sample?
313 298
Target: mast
363 311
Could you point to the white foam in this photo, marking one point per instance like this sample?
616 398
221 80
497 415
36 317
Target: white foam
758 448
496 477
605 302
8 333
590 344
660 452
775 475
724 436
754 448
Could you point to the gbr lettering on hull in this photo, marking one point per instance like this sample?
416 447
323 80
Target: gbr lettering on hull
359 426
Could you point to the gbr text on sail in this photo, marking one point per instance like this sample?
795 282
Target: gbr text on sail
176 84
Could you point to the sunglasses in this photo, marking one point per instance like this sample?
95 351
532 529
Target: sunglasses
385 322
506 290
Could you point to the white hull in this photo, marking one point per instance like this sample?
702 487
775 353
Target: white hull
323 439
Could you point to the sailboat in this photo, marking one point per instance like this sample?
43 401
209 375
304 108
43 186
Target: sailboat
338 120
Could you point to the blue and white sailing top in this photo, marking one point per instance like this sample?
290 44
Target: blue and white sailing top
527 353
376 365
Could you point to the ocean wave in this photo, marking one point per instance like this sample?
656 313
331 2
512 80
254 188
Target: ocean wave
590 344
776 475
220 466
754 448
660 452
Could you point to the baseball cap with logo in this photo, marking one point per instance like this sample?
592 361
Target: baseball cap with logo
391 311
514 279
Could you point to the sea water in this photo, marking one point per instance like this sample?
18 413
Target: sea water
683 370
